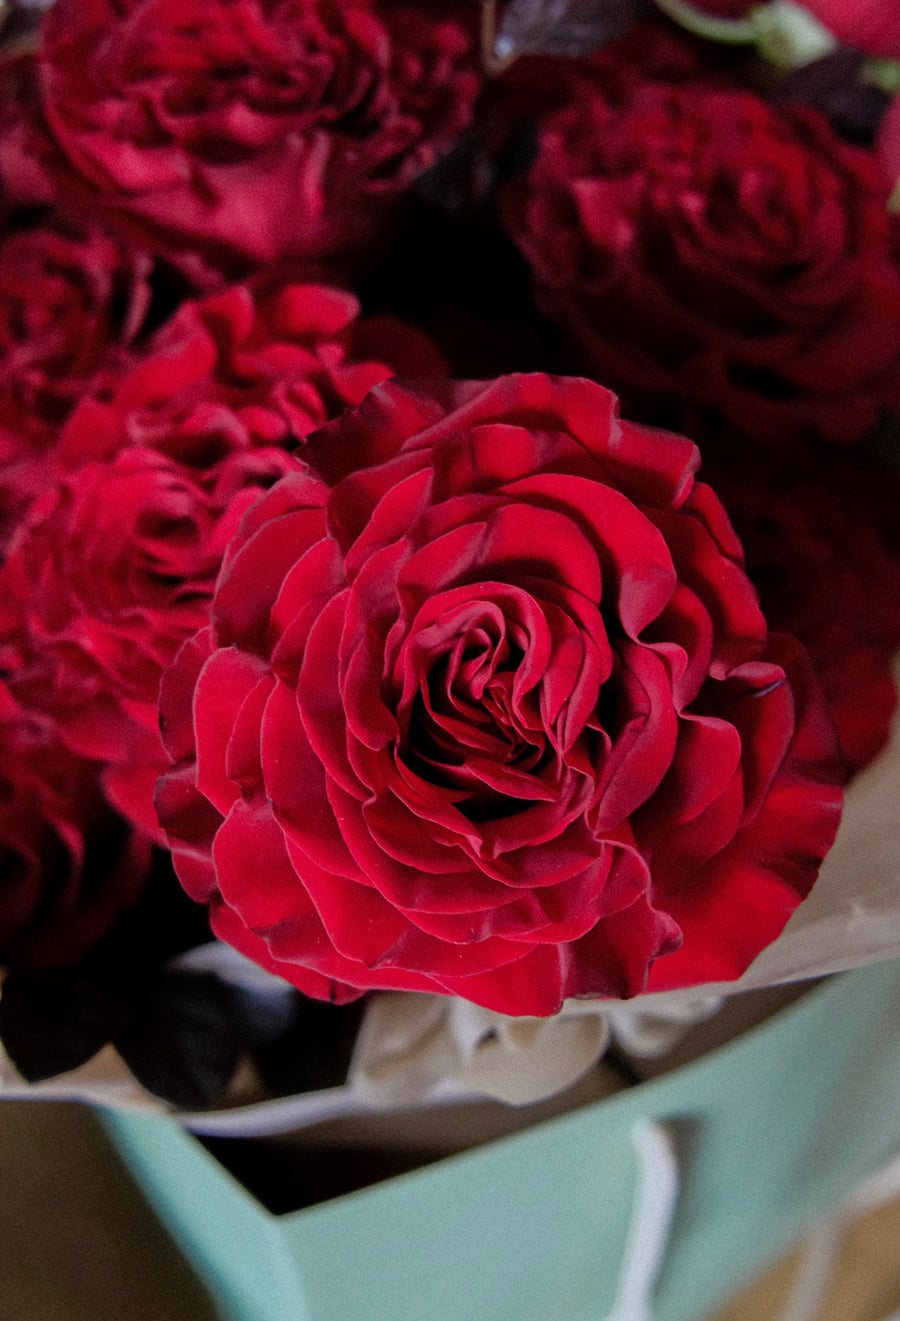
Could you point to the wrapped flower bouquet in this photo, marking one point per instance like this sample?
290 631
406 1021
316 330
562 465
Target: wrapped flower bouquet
449 569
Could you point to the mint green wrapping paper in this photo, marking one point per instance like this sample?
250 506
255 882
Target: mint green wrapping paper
770 1133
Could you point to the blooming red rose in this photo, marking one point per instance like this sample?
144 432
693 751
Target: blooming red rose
871 25
231 134
699 244
496 715
67 866
239 371
114 564
110 570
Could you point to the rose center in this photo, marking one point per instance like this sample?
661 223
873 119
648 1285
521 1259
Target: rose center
471 729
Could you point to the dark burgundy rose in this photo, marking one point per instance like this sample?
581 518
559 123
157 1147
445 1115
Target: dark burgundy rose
496 715
231 134
821 543
67 865
698 244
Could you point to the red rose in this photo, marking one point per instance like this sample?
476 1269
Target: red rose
699 244
232 134
115 562
871 25
70 303
496 716
67 867
238 371
110 571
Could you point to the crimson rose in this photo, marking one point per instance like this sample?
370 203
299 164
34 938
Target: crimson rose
698 243
231 134
114 563
495 715
107 574
240 371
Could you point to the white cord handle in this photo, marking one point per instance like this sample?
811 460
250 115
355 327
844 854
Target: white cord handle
655 1198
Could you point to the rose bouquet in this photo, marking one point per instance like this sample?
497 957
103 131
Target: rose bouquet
445 458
